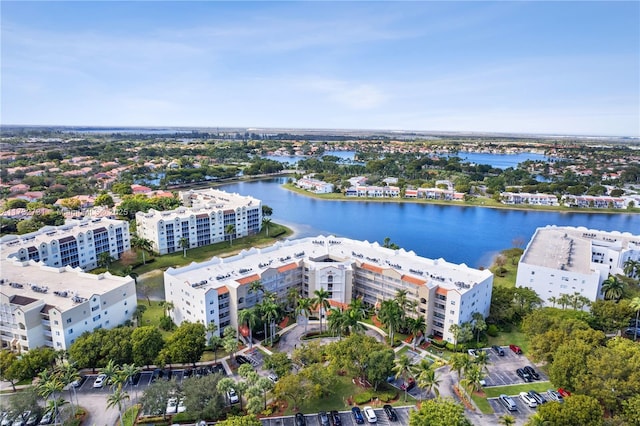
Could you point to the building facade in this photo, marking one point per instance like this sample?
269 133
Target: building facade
566 260
51 306
204 220
216 290
77 243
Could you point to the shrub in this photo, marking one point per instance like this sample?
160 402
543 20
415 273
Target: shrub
166 323
492 330
184 417
387 396
363 398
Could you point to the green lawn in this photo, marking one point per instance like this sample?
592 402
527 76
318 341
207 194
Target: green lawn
336 401
495 391
508 279
482 404
200 254
514 337
153 313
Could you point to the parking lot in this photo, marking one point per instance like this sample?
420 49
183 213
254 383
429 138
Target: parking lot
524 411
345 416
502 369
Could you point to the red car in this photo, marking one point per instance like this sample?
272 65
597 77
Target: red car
516 349
564 393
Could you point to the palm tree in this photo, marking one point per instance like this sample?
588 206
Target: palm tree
167 307
48 387
401 298
564 300
293 295
336 321
110 370
390 314
455 329
472 377
635 305
352 317
139 313
481 359
479 325
184 244
68 373
214 342
230 230
416 326
128 371
426 377
105 260
321 302
403 368
266 221
632 268
612 288
250 318
116 399
507 420
142 244
304 308
553 300
270 314
459 362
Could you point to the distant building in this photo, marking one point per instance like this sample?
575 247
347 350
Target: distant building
315 185
434 194
598 202
216 290
77 243
566 260
52 306
518 198
203 221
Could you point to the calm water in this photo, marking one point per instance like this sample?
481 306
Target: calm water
457 234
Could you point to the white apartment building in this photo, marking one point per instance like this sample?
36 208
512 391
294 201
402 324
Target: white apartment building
517 198
77 243
51 306
567 260
315 185
203 221
214 291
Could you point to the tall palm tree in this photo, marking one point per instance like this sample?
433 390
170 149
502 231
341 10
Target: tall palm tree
416 326
321 302
293 295
481 359
564 300
142 244
230 230
390 314
403 368
139 313
426 377
459 362
249 317
68 373
401 298
128 371
612 288
631 268
352 317
304 309
110 370
472 377
479 325
553 300
270 312
336 321
266 221
635 305
48 387
455 329
116 399
184 244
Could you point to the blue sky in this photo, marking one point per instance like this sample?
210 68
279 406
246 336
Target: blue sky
525 67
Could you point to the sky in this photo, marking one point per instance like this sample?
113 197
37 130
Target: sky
519 67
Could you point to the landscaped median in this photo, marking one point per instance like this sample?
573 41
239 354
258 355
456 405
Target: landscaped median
480 399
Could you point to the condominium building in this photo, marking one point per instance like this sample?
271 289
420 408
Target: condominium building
214 291
51 306
204 220
517 198
315 185
566 260
77 243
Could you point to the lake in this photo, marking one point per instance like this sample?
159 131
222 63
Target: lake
458 234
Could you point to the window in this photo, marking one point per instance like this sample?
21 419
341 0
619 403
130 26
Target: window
71 331
211 312
55 322
453 302
68 320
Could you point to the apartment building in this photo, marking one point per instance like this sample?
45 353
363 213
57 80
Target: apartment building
204 220
51 306
434 194
566 260
315 185
517 198
77 243
214 291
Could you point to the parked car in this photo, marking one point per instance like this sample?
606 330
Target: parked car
390 412
300 421
48 417
241 359
172 406
335 418
21 419
508 402
516 349
233 396
532 372
528 400
472 352
408 385
79 381
564 393
539 398
554 395
32 419
498 350
7 419
357 415
273 377
524 375
181 406
100 381
370 414
323 418
630 331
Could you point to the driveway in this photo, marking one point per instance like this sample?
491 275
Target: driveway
293 337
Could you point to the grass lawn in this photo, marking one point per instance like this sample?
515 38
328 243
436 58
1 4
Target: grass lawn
200 254
153 313
495 391
482 403
508 279
336 401
514 337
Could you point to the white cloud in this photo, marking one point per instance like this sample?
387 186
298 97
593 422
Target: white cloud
353 95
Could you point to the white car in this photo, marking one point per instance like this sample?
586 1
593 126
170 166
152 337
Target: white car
172 406
100 381
181 406
473 353
273 377
233 396
528 400
369 414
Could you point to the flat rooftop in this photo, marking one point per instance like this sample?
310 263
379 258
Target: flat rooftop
570 249
249 265
28 277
